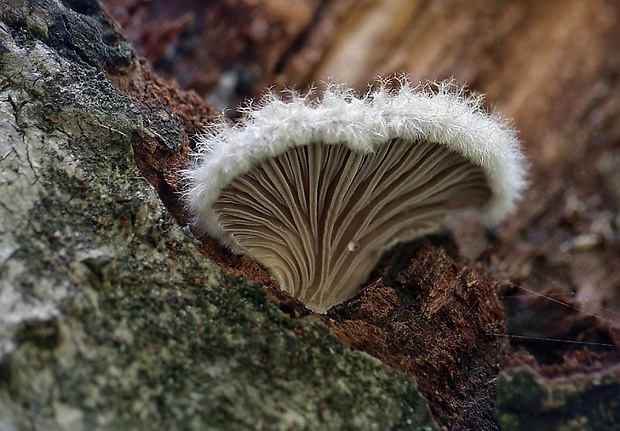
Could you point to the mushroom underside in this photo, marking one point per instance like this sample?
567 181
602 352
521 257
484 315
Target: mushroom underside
319 216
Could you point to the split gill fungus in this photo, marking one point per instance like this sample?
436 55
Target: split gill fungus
317 190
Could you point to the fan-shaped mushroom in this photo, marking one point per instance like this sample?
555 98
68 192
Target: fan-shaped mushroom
317 191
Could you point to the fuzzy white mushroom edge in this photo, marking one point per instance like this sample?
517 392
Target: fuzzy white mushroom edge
440 113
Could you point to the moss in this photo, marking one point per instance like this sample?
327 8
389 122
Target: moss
529 401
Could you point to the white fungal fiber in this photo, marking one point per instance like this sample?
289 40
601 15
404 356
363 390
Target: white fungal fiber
297 181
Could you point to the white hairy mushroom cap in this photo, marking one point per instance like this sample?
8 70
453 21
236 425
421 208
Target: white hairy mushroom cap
316 191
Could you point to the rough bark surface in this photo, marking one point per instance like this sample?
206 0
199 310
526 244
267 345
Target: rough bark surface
109 316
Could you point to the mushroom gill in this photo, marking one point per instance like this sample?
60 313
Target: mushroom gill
316 190
319 216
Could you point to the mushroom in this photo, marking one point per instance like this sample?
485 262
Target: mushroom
317 190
